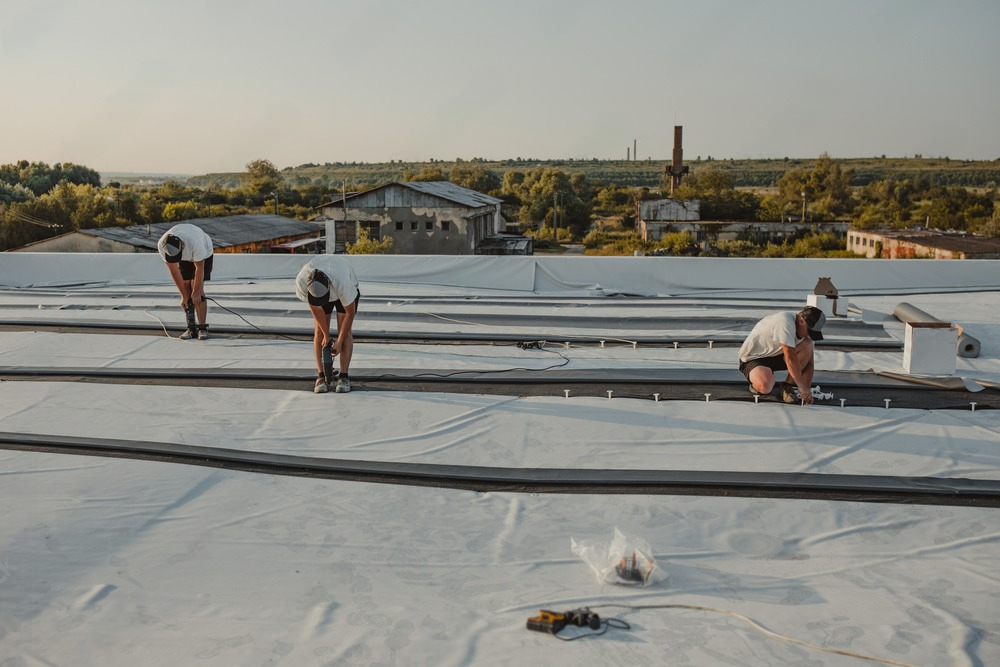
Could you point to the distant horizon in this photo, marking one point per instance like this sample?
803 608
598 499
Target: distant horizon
112 173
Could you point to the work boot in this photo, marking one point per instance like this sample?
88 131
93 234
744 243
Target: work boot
203 332
188 334
753 390
788 394
343 384
321 386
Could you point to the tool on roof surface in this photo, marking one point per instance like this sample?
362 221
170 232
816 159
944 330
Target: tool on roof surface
553 621
328 363
189 314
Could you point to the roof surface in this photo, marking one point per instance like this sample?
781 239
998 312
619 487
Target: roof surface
179 502
225 231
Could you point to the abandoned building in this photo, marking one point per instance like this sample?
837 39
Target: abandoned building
656 217
421 218
232 233
912 243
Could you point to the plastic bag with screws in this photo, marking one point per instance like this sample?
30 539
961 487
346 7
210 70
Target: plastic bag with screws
625 560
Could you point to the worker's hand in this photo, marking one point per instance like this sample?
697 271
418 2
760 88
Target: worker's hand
336 347
326 340
196 300
806 394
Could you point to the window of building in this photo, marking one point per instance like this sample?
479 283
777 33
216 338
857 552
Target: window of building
399 225
413 226
429 225
445 225
373 229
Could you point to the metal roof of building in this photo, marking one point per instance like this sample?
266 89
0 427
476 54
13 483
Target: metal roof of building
455 193
954 241
225 231
442 189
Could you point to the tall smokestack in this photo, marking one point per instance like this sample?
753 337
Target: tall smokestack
635 150
628 156
676 168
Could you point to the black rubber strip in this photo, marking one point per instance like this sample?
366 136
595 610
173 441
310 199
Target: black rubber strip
865 488
696 376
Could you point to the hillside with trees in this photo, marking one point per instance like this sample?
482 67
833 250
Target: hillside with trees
555 200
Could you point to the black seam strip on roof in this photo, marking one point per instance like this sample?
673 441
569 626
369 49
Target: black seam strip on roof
870 488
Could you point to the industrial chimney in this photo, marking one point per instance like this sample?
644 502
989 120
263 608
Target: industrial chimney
676 169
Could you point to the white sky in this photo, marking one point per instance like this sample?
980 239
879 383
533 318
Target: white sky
193 86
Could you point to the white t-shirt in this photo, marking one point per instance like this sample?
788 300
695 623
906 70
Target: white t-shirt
768 335
197 244
343 282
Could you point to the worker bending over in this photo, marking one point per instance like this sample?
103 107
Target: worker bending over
328 283
783 342
187 250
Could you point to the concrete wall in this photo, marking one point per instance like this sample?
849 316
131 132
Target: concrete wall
730 231
417 225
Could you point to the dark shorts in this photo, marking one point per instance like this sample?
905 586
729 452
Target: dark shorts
328 308
187 269
775 363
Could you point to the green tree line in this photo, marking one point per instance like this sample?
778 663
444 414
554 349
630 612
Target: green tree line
38 201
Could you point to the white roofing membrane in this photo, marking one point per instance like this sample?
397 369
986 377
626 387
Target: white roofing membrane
120 561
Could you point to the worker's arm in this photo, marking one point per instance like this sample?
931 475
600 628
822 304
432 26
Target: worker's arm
795 373
322 322
198 284
182 286
344 327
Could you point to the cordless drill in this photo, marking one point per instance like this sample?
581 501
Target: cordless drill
328 362
189 313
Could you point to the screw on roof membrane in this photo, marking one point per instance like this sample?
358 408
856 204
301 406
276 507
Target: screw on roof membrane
656 397
710 344
635 344
756 398
887 403
566 391
973 404
707 396
609 394
842 401
602 343
566 344
675 345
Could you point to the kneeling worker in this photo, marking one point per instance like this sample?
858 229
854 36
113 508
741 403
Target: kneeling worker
187 250
783 342
328 283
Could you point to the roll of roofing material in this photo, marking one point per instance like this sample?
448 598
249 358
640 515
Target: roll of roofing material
968 347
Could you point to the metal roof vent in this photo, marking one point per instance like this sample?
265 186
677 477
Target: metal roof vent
825 288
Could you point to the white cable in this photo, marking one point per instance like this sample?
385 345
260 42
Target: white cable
161 323
762 629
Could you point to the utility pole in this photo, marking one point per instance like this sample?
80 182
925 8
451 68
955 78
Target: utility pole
555 217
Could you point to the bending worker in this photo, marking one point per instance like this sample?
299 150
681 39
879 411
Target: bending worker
783 342
328 283
187 250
